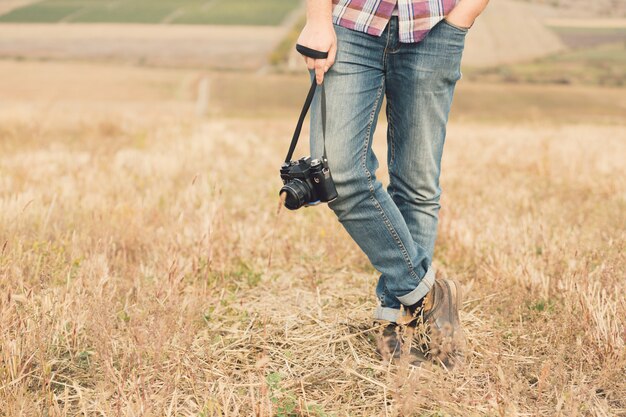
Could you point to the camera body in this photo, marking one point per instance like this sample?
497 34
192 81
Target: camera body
307 182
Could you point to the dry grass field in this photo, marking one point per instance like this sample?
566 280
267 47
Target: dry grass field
144 270
217 34
218 47
508 32
221 12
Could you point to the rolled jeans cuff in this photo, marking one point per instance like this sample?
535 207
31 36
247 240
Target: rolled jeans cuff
422 289
392 314
389 314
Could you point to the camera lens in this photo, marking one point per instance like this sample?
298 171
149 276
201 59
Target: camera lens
298 194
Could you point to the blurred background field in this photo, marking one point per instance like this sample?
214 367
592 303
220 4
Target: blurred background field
223 12
144 270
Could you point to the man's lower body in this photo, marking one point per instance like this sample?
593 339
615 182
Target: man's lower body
396 227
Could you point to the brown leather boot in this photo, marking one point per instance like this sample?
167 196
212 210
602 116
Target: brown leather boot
395 344
443 326
437 315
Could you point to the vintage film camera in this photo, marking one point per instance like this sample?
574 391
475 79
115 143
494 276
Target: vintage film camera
307 181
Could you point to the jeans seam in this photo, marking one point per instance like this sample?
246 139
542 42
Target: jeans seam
392 137
390 228
386 47
392 147
387 293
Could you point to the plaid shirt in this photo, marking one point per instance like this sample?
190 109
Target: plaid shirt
415 17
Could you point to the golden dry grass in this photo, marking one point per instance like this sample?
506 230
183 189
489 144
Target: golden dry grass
135 276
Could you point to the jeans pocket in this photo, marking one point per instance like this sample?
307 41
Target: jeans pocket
455 27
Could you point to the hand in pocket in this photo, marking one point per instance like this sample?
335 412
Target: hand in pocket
465 13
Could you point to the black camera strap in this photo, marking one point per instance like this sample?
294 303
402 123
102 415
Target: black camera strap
303 113
307 104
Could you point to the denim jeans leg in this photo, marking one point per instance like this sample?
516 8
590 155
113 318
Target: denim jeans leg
420 81
420 85
355 86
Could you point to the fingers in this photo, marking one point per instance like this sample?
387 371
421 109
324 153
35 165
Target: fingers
318 65
320 69
321 66
310 62
332 54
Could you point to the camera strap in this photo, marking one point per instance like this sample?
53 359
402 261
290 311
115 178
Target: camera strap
305 110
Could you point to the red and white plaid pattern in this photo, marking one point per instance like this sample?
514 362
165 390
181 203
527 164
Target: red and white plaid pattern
415 17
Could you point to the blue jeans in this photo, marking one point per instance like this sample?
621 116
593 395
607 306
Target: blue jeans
396 227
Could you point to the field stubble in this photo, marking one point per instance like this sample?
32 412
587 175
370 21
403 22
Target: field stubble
135 274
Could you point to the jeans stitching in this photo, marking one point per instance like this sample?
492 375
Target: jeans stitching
388 224
392 137
392 141
387 293
386 46
452 25
392 147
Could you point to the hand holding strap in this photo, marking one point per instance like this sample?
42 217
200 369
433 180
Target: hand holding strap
311 53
